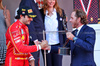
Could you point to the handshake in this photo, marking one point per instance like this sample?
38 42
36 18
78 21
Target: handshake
44 44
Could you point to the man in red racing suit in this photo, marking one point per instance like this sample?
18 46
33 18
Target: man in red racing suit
17 40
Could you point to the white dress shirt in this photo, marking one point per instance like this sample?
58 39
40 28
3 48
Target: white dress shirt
79 28
51 24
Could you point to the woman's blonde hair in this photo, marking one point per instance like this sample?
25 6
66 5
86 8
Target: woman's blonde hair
1 6
56 6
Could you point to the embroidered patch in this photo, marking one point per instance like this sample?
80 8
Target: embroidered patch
17 41
22 31
23 9
23 12
23 37
30 11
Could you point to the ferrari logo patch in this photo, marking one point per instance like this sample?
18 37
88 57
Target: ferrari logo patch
30 11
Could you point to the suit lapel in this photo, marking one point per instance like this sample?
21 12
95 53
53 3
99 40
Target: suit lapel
81 31
79 35
59 23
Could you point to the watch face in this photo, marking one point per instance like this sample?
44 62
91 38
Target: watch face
75 38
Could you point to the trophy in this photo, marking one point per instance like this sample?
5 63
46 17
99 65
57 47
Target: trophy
64 50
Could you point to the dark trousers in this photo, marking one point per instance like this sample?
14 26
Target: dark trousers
36 55
53 59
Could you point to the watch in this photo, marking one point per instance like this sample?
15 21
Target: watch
75 38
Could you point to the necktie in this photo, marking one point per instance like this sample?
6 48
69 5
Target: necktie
75 32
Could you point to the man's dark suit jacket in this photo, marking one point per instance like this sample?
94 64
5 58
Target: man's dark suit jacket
36 26
82 50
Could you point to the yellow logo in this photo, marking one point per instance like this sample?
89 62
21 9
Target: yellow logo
23 37
30 11
32 15
23 9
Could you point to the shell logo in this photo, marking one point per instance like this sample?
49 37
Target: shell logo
23 37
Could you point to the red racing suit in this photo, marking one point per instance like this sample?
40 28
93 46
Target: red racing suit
17 40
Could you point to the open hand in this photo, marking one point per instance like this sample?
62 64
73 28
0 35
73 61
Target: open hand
5 12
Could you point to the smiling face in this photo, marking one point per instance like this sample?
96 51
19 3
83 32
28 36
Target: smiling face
50 3
26 20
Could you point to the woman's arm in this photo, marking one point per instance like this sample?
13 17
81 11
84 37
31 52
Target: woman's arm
7 16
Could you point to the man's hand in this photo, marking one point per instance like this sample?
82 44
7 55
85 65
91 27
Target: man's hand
5 12
70 36
32 63
47 48
37 42
44 44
